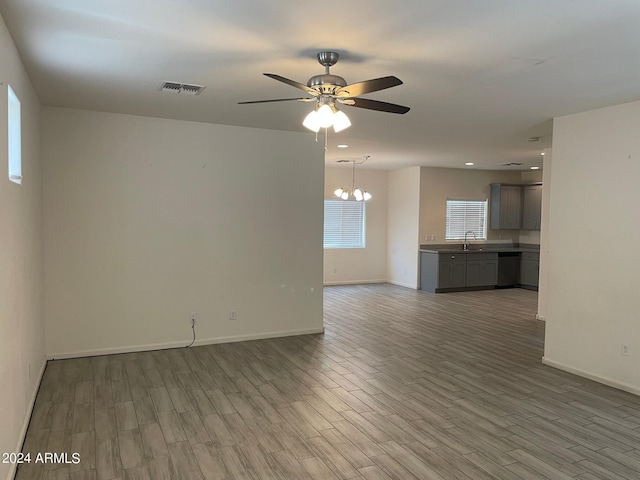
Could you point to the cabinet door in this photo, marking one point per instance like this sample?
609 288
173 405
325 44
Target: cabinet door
531 207
513 206
459 273
529 269
482 273
489 273
474 273
506 206
451 271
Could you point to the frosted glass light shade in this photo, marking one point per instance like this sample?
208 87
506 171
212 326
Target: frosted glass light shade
325 116
338 192
312 121
366 195
340 121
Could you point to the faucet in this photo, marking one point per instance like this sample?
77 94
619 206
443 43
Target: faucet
465 245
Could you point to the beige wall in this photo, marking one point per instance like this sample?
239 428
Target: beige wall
148 220
402 226
360 265
594 260
439 184
21 321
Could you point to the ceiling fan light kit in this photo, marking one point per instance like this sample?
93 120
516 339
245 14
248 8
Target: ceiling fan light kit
328 89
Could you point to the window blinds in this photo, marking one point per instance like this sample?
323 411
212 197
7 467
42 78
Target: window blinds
343 224
464 216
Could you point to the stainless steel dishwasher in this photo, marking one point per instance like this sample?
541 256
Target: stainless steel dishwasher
508 269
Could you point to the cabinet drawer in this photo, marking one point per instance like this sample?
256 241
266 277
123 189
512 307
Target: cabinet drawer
481 256
451 257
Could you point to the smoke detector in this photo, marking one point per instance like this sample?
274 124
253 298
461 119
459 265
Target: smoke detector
185 88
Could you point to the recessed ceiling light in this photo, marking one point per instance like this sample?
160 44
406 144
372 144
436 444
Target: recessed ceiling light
535 168
468 164
342 145
542 154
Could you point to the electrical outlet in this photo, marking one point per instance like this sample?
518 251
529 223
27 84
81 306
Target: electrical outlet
232 315
626 350
193 319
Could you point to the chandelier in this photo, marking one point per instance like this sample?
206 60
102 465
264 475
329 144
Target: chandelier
356 193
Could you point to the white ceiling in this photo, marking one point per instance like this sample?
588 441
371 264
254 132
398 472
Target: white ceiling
480 76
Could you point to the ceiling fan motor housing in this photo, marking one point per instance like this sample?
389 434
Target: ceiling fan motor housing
326 83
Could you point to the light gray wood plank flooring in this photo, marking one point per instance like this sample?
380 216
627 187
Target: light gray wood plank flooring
403 385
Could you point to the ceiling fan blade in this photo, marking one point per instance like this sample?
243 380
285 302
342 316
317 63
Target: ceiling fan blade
368 86
293 83
376 105
304 99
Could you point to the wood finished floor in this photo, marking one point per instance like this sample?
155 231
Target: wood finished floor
403 385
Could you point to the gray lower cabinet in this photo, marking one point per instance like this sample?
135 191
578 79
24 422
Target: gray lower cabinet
448 271
482 269
529 270
451 271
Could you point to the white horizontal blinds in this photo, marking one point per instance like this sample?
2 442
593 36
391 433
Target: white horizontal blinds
343 224
464 216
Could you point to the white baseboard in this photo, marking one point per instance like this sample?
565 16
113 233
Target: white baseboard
353 282
27 419
591 376
401 284
184 343
541 317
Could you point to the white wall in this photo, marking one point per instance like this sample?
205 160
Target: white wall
439 184
402 226
360 265
543 281
148 220
21 321
594 306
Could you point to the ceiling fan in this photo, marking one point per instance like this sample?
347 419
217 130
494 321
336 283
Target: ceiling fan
327 90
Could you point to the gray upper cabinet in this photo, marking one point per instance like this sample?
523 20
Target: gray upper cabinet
506 206
531 206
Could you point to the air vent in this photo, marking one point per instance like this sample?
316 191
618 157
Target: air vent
512 164
185 88
343 161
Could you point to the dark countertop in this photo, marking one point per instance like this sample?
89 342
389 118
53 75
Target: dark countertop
477 248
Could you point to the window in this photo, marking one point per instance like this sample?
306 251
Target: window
464 216
15 155
343 224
